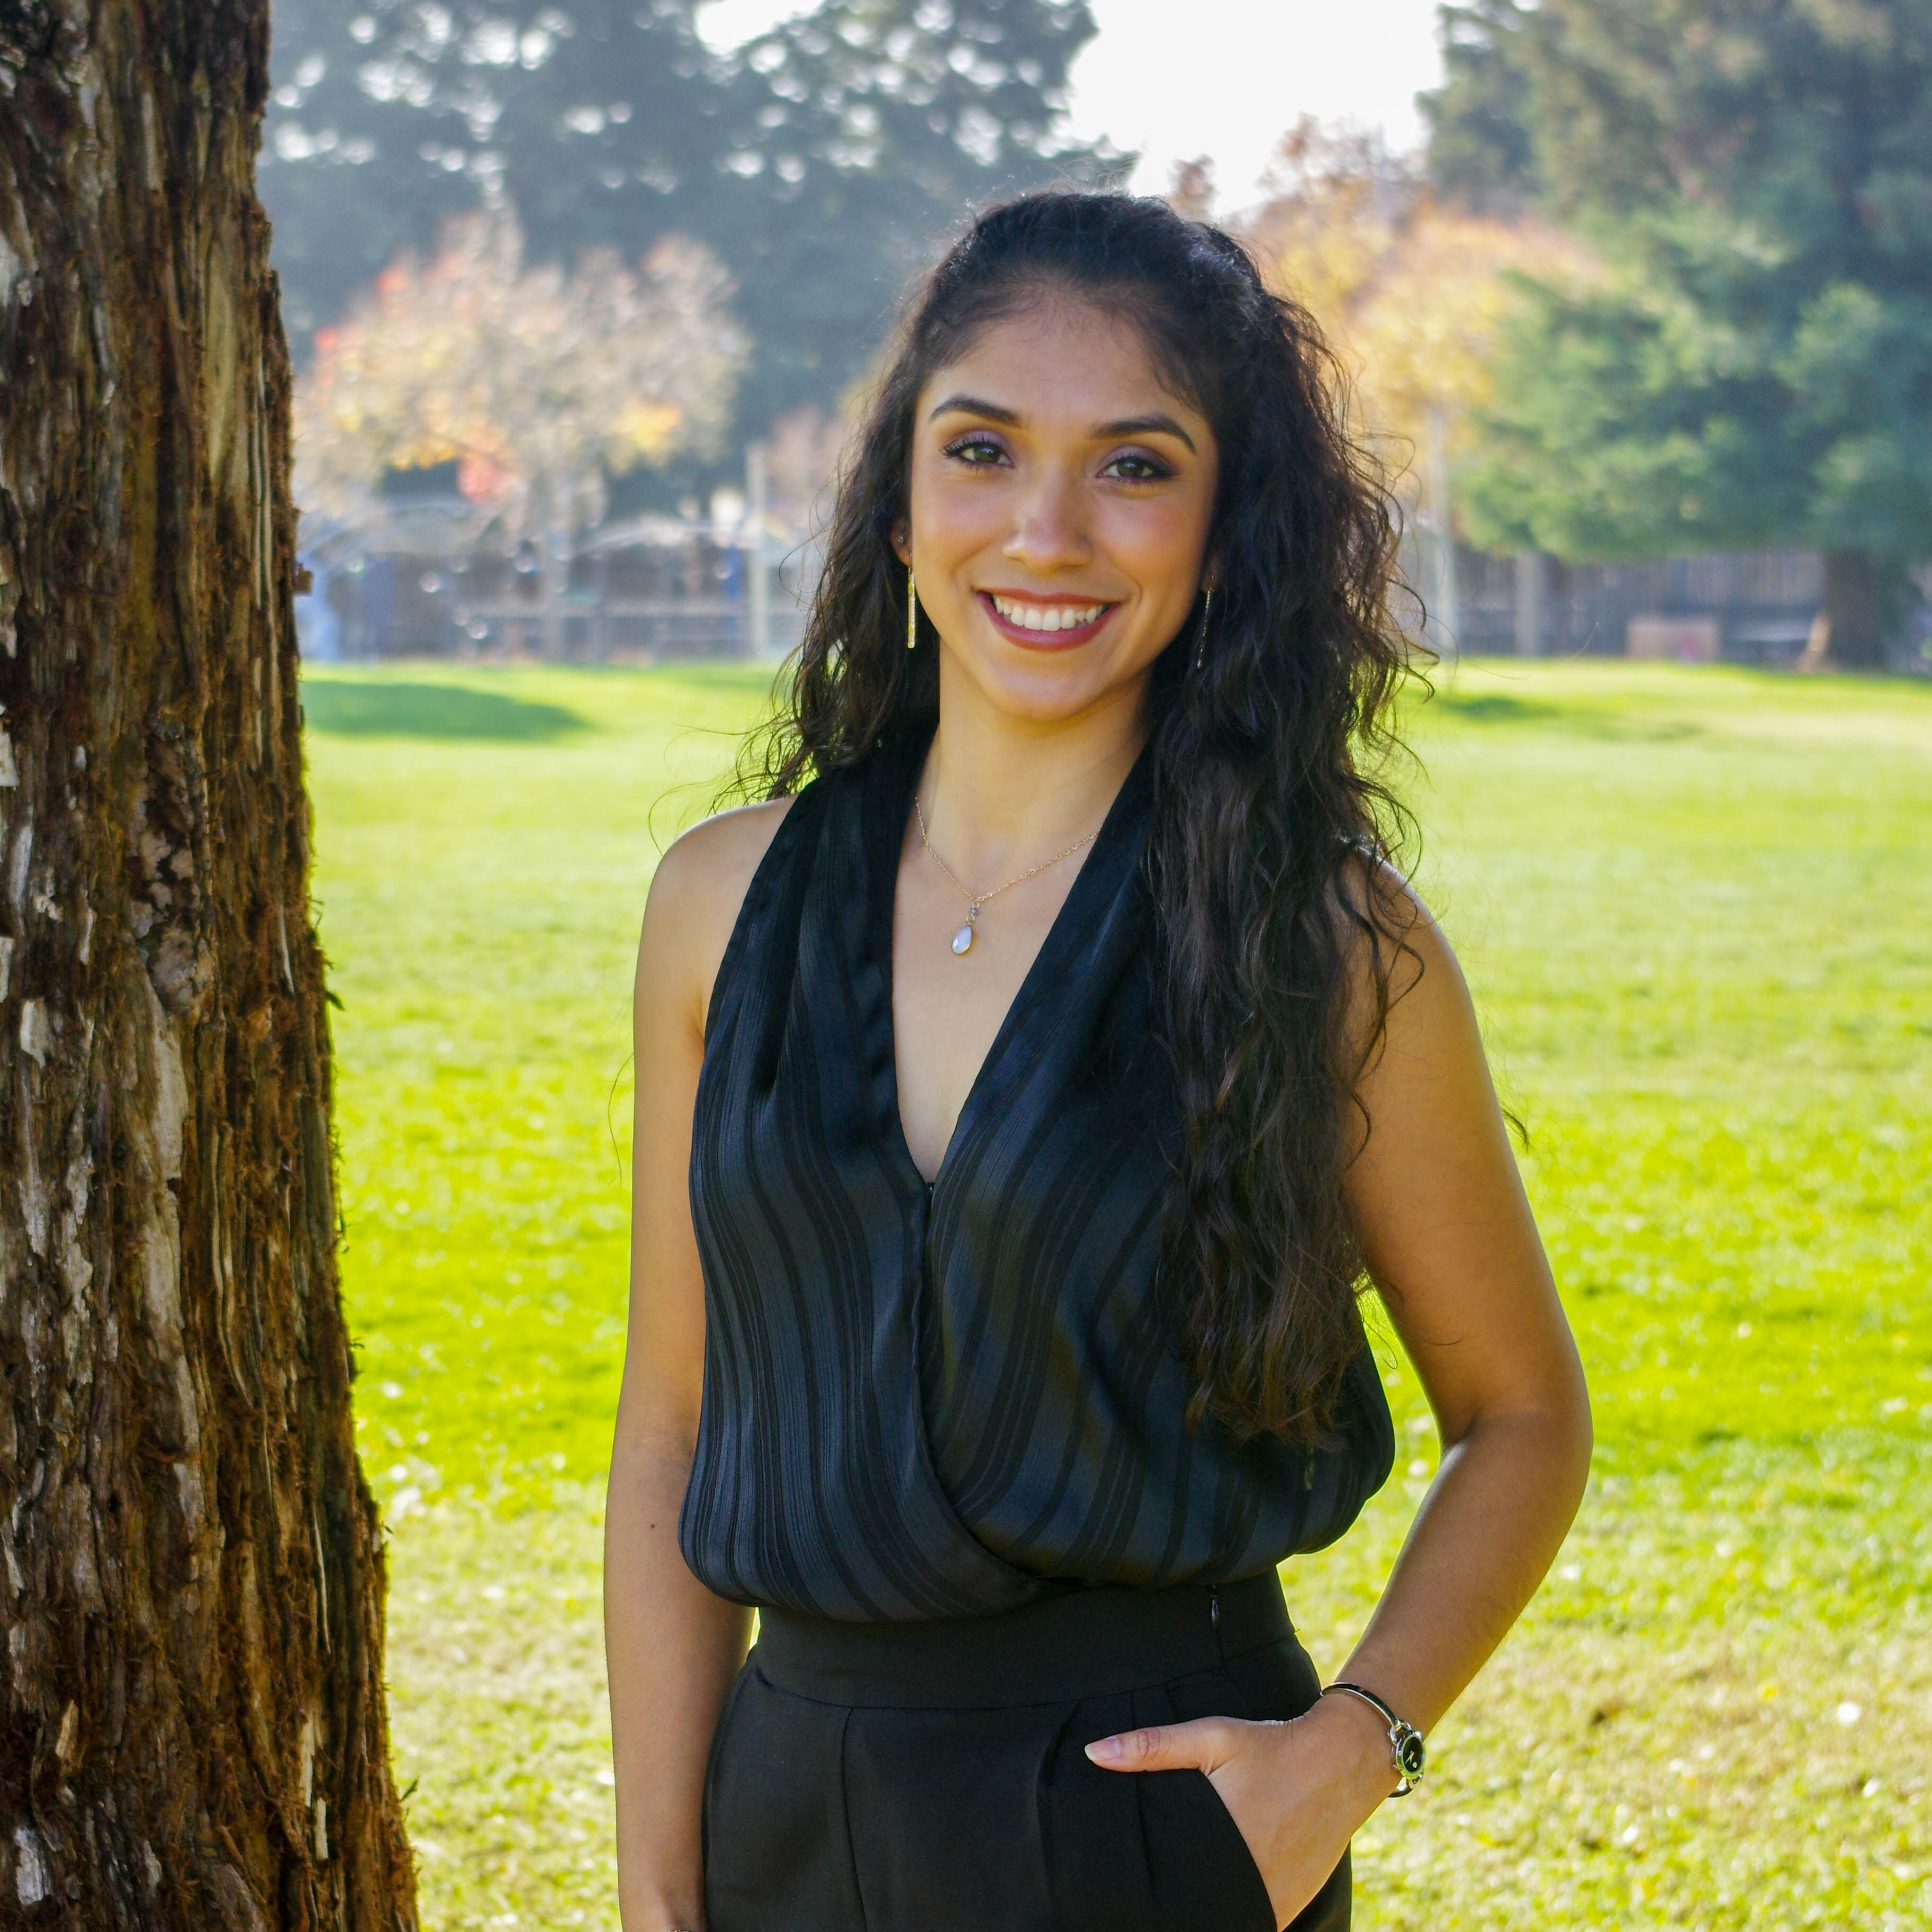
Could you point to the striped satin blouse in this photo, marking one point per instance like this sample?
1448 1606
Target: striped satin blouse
950 1400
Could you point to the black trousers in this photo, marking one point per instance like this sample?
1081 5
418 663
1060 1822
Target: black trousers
931 1778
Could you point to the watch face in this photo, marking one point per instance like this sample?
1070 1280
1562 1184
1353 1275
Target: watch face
1410 1755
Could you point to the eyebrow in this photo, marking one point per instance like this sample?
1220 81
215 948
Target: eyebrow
1156 424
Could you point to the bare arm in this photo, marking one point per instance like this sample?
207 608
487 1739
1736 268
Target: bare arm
1447 1232
1448 1237
672 1647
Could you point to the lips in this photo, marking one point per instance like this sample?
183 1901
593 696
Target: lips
1041 624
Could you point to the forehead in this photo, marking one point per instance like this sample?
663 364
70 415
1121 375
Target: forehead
1060 358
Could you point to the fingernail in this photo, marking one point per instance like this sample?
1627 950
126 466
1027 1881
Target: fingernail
1104 1751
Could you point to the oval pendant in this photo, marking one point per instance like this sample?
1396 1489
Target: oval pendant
962 939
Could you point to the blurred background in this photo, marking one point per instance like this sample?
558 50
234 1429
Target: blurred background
1635 297
583 299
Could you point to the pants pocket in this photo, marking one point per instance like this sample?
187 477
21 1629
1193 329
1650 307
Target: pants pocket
775 1846
1090 1826
1200 1871
1200 1874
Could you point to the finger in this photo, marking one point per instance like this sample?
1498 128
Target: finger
1200 1745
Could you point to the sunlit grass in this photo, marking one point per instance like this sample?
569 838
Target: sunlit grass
1697 907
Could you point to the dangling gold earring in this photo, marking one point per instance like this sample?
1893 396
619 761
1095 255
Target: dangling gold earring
1201 638
912 609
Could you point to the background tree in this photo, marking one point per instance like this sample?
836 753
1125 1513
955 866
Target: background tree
192 1728
819 162
538 385
1411 290
1757 369
1412 294
1338 204
801 461
1482 151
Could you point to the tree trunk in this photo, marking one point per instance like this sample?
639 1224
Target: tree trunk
192 1736
1866 599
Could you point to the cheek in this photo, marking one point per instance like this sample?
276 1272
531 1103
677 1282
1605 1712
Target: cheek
1165 541
953 530
952 513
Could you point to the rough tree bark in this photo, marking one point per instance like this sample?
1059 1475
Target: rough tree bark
192 1736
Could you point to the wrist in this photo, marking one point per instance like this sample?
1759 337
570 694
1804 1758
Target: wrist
1408 1753
1361 1741
653 1909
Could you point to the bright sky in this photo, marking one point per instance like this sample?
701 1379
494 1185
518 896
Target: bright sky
1176 79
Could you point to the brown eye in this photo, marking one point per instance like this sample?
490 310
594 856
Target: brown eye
1136 466
977 452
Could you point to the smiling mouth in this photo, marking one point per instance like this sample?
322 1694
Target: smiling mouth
1054 625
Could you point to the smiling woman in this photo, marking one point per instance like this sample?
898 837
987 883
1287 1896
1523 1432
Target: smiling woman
994 1324
1124 500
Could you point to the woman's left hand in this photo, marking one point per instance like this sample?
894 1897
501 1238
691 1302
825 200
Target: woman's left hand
1298 1792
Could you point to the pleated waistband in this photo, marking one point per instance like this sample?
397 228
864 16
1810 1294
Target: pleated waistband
1088 1642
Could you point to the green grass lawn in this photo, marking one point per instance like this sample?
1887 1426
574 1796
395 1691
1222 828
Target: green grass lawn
1696 908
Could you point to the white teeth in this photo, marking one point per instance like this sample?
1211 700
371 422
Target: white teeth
1047 617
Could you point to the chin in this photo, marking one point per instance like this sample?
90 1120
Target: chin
1042 690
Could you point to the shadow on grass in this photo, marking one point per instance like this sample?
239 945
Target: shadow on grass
1587 719
1493 707
345 708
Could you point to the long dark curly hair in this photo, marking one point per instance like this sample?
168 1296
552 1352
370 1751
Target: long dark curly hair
1268 857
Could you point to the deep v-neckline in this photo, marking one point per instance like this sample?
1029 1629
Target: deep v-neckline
884 861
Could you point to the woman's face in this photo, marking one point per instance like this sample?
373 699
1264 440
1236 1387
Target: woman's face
1060 501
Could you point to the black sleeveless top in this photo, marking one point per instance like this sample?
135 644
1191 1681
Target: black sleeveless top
942 1401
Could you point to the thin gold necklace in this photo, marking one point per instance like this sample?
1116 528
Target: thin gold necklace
962 939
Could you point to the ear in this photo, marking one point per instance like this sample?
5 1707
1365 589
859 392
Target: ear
902 541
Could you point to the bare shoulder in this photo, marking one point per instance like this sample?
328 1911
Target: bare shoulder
705 873
1395 939
694 900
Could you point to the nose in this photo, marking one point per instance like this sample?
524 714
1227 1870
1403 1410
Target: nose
1049 531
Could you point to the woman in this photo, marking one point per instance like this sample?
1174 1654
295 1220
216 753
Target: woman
1026 1089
